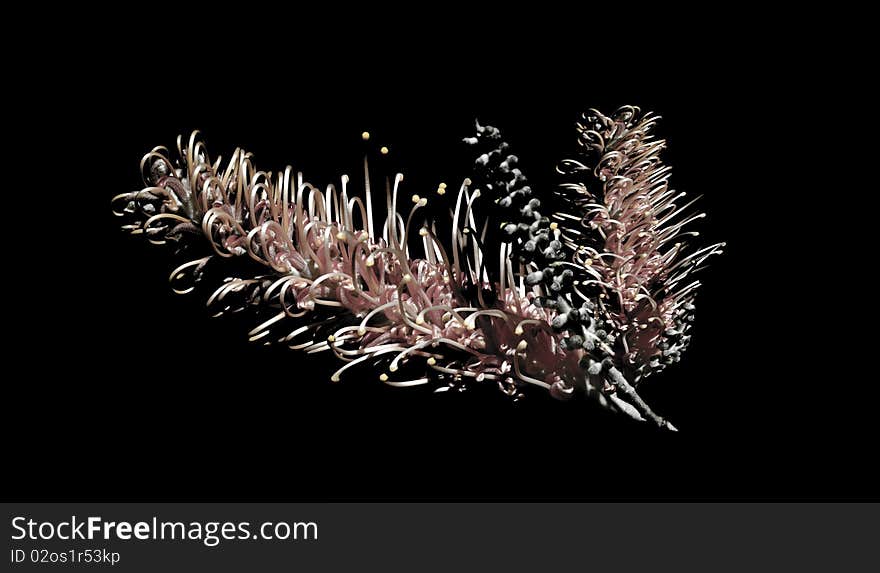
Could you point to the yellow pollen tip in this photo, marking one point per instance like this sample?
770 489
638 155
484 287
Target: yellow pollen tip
370 261
554 226
432 361
441 191
362 331
334 378
415 198
383 377
393 368
442 185
365 136
420 320
331 338
518 331
384 150
407 277
340 236
422 202
522 345
423 232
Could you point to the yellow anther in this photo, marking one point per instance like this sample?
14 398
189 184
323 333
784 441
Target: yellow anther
365 136
384 150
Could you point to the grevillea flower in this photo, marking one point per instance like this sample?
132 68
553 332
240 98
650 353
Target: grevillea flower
589 300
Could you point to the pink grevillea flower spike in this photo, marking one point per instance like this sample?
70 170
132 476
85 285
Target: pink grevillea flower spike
588 301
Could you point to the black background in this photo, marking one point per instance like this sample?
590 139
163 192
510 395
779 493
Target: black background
126 391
